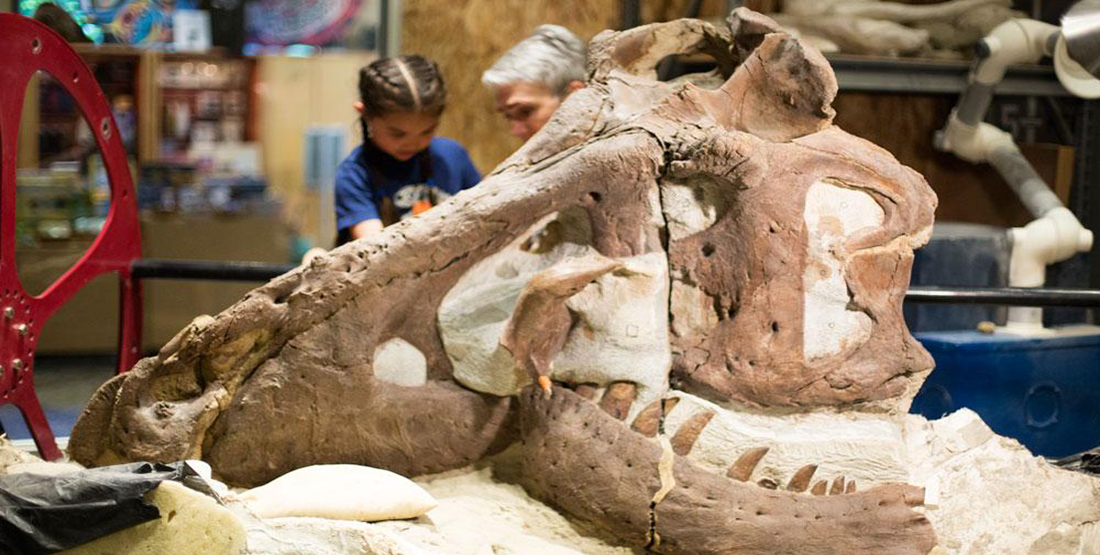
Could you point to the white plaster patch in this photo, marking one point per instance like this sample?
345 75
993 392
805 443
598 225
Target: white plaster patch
694 205
656 211
867 448
398 362
321 536
478 515
832 214
692 310
990 495
474 312
622 333
686 214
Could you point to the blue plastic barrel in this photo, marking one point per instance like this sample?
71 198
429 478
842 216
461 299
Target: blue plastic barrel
1043 392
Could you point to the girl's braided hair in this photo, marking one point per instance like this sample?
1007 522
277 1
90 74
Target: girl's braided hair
402 84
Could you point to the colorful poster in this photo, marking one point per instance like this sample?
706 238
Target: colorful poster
136 22
140 21
316 22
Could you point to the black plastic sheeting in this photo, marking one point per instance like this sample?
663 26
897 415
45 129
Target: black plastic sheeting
1087 462
45 514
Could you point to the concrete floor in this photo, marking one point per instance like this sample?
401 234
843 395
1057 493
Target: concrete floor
64 385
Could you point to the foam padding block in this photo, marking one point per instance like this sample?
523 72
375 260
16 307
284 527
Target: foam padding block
190 523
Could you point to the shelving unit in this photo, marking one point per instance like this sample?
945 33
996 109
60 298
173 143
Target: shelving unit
144 87
912 76
146 98
154 81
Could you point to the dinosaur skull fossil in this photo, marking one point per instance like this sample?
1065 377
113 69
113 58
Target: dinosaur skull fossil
703 277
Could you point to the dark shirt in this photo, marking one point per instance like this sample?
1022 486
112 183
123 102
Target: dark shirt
371 184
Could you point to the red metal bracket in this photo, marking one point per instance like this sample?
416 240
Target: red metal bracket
27 46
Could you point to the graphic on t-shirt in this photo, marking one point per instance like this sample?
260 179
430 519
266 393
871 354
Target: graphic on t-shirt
414 199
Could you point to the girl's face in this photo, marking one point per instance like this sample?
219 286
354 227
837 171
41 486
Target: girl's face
402 134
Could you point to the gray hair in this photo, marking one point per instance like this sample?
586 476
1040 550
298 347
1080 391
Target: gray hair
552 56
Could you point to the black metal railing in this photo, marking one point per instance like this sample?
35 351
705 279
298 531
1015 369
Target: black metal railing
155 268
1009 296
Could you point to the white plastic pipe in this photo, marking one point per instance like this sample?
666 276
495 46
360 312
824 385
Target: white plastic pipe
1052 238
973 143
1055 234
1016 41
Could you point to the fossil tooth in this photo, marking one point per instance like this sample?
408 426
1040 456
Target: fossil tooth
647 421
746 463
586 390
689 432
670 403
838 486
801 479
820 487
618 398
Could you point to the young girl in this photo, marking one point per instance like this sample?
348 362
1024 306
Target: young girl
401 169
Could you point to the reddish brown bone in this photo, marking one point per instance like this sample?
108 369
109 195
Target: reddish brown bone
703 515
585 462
319 325
749 29
567 437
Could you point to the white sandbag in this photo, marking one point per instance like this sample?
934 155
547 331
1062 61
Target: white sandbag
341 492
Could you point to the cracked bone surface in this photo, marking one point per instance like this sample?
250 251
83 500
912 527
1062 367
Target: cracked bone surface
711 271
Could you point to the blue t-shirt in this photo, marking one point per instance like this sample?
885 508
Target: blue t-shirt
370 182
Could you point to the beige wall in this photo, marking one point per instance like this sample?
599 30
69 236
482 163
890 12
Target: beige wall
466 36
292 95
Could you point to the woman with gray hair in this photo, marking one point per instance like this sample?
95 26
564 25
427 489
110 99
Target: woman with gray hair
532 78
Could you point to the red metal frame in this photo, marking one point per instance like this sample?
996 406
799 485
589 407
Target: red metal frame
27 46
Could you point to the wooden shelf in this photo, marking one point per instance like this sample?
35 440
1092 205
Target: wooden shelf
920 76
917 76
121 50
